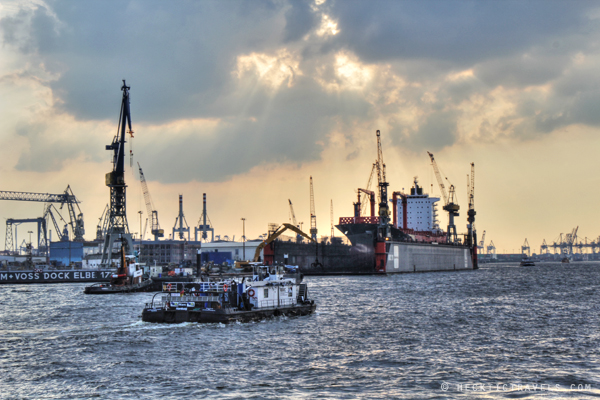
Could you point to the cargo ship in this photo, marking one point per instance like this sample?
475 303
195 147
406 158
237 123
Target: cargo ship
410 242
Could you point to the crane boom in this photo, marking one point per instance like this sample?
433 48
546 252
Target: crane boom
438 176
42 197
449 200
293 215
152 213
275 234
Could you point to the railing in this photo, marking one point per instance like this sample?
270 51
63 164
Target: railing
204 286
274 303
359 220
187 299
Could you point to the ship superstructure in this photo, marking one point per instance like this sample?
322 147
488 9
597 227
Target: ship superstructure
418 211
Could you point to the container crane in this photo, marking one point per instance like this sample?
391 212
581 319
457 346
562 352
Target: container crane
152 213
481 244
450 204
525 249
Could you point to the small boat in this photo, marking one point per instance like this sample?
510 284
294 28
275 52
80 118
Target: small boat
527 262
565 260
128 278
270 291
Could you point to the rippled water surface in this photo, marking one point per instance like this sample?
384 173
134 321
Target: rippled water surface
499 332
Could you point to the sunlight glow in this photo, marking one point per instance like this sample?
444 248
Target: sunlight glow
328 26
273 70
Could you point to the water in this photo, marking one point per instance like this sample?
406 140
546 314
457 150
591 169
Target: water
491 333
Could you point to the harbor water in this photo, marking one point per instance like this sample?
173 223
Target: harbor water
499 332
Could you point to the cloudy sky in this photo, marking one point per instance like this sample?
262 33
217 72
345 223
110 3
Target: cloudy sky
245 100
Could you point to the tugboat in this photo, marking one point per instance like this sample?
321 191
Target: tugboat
127 279
269 292
527 262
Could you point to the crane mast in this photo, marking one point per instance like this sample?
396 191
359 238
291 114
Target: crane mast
152 213
450 204
118 228
384 211
313 217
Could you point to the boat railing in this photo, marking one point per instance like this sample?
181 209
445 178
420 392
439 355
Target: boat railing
172 287
189 299
276 303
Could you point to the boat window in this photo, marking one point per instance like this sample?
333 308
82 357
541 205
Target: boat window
266 293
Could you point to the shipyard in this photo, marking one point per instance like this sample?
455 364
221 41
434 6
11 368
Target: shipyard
316 199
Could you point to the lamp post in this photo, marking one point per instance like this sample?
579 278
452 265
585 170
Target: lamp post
244 238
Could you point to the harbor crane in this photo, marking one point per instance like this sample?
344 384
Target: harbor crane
525 249
294 221
274 234
472 233
68 198
155 229
118 228
313 226
450 204
313 217
491 249
358 209
181 220
384 210
482 243
366 195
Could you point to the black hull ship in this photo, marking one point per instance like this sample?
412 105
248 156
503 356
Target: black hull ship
270 292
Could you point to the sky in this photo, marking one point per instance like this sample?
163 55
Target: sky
245 100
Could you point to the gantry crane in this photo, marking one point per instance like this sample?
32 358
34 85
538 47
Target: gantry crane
482 243
152 213
118 228
525 249
450 204
68 198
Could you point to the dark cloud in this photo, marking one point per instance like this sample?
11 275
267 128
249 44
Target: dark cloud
462 32
436 131
179 60
299 20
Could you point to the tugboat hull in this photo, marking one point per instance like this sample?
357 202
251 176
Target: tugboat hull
174 316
